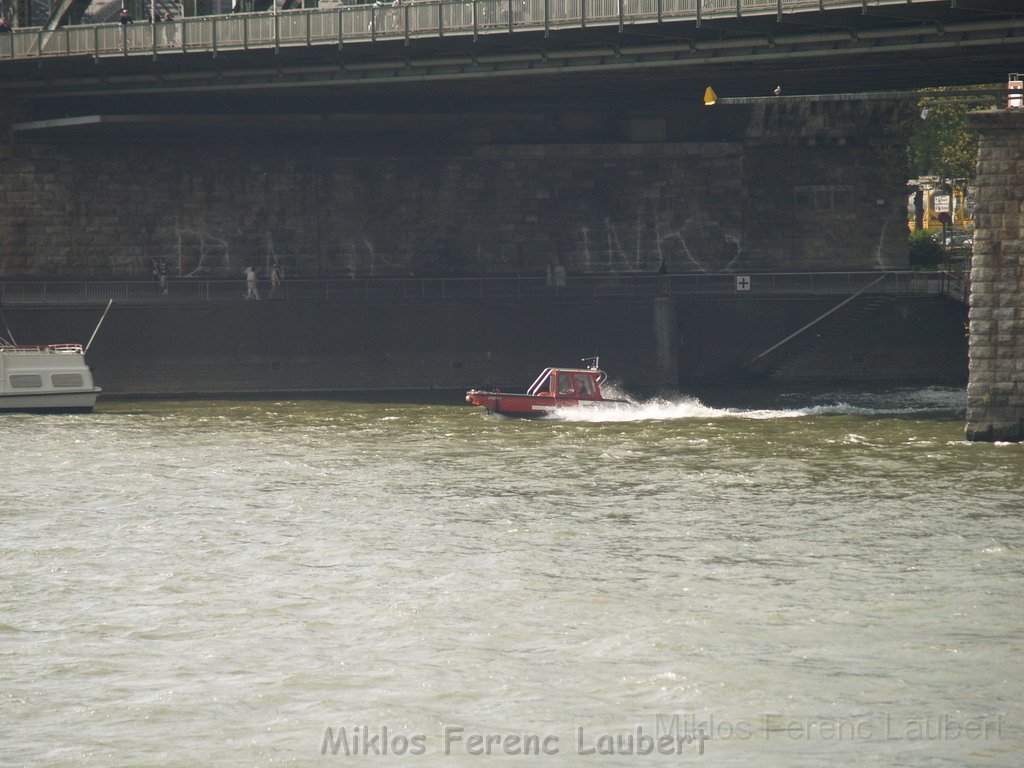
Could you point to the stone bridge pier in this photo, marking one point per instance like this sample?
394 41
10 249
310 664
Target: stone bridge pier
995 392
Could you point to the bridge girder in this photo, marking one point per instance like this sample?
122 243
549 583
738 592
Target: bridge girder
853 49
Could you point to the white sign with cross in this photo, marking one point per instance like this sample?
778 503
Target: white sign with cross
743 283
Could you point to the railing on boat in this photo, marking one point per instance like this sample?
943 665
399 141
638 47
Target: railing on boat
539 382
76 349
385 289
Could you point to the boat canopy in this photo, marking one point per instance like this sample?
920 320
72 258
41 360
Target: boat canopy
570 382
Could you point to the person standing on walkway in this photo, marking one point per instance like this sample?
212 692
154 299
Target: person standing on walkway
559 273
275 280
163 271
251 292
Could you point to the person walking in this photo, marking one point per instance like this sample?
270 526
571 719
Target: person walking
275 280
251 291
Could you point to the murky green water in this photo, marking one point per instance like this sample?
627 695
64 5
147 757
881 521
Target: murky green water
831 581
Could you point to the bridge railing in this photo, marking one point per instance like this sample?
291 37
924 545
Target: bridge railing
414 18
191 290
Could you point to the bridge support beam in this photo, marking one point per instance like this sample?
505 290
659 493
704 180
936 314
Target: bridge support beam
995 393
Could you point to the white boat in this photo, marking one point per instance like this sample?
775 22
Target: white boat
50 378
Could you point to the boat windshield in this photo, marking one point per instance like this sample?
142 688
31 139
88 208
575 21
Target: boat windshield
584 385
565 384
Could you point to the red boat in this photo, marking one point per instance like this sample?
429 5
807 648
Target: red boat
554 388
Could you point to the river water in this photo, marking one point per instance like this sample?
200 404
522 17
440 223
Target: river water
827 580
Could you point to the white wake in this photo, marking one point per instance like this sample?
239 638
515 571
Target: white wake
895 403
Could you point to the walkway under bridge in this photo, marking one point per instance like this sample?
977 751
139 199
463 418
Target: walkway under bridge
347 290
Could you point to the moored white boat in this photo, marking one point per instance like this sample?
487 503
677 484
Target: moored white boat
45 378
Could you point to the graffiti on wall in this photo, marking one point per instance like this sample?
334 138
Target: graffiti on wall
700 244
198 252
640 243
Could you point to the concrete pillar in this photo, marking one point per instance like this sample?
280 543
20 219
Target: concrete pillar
666 343
995 392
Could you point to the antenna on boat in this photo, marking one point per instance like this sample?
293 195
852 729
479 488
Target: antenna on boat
593 363
96 330
6 327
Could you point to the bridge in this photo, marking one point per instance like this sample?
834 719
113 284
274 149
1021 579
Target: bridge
507 137
585 49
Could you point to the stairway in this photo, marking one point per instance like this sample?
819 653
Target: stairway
825 347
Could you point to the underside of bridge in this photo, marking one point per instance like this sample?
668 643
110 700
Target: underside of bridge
633 66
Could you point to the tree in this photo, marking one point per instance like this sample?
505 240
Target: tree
941 143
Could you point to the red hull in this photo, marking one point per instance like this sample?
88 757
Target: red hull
523 406
554 388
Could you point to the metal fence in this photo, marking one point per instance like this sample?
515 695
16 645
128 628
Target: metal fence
355 23
342 290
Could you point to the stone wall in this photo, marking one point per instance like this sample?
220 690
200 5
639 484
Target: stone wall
995 393
824 185
796 192
270 347
647 345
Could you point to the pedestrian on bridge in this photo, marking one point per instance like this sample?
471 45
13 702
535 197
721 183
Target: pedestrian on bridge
171 25
124 19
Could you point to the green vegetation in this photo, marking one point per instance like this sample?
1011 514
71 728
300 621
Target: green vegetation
925 250
940 142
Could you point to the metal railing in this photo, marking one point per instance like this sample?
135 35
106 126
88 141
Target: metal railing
345 290
367 23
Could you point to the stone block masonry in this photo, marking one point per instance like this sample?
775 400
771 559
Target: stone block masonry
995 392
788 193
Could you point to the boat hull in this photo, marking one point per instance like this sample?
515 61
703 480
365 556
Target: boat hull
50 402
523 406
50 378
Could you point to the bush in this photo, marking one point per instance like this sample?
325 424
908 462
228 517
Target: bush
925 250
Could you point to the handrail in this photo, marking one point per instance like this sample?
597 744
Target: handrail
360 23
538 382
385 289
814 322
955 285
73 348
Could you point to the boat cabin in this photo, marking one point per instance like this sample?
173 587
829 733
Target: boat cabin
569 383
43 378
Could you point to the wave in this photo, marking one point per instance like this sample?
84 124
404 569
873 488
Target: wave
932 400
